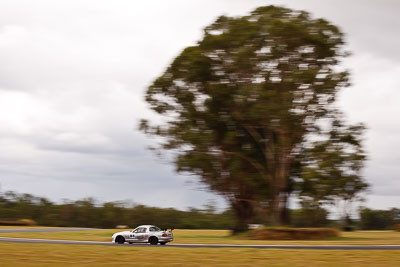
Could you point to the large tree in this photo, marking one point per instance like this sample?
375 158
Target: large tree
244 100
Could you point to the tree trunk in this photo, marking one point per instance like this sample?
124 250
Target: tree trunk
276 211
285 215
279 192
244 213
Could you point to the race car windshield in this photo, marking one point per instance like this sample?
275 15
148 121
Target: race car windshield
154 229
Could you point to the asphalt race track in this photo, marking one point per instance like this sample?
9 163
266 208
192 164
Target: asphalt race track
321 247
73 242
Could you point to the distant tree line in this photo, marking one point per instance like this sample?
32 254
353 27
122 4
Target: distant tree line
379 219
88 213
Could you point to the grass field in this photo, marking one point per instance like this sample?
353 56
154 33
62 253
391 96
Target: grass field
19 254
223 237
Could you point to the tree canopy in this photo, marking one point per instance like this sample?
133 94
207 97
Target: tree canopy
247 99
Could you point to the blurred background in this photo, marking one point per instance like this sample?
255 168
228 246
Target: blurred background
73 78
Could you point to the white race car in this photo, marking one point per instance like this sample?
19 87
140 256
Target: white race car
144 234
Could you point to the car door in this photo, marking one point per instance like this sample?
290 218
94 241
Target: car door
142 235
137 235
131 237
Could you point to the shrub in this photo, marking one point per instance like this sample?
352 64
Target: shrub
121 226
27 222
397 227
293 233
309 217
348 228
378 219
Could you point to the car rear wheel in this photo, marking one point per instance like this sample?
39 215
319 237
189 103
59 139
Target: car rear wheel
120 239
153 240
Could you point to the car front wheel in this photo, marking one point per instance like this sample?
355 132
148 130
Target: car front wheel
120 239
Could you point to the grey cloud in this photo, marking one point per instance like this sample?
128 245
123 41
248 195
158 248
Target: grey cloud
73 76
370 25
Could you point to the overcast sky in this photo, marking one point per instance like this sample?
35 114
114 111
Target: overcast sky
73 76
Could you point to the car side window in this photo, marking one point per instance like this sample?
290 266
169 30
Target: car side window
154 229
140 230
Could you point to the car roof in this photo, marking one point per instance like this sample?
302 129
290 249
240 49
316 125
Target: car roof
145 225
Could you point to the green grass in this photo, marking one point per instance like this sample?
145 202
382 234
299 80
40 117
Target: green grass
223 237
18 254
